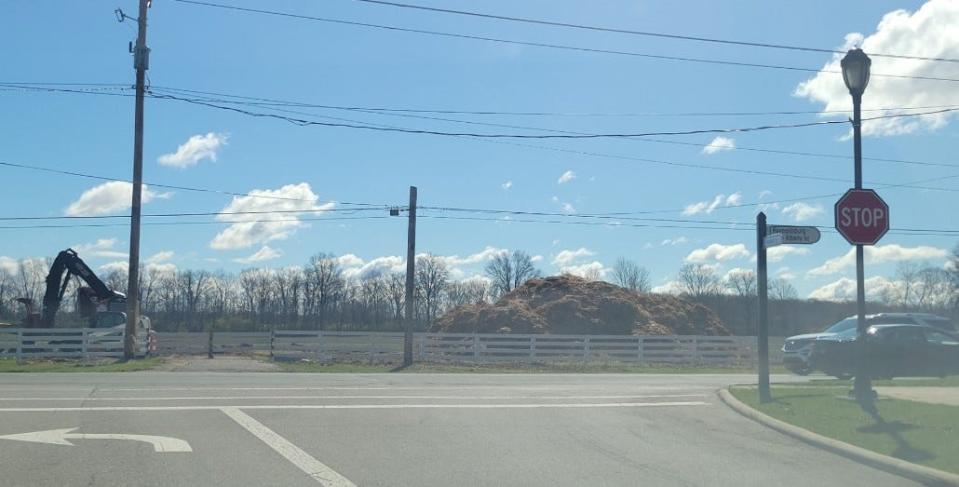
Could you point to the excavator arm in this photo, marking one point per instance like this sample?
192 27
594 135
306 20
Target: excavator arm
69 263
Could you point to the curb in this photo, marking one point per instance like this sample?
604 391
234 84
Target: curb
911 471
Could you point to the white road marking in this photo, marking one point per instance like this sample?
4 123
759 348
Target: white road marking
162 444
357 406
316 469
392 387
245 398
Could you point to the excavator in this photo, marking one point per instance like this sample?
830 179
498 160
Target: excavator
101 306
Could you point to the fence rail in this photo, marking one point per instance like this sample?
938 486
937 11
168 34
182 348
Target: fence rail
83 343
340 346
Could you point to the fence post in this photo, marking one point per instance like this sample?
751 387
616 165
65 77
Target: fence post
272 334
586 349
19 345
84 336
209 346
476 347
532 348
639 350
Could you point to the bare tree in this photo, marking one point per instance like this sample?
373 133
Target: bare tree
324 281
507 271
431 280
742 283
699 280
630 275
396 289
781 290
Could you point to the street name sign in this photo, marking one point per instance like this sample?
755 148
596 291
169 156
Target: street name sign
791 234
862 217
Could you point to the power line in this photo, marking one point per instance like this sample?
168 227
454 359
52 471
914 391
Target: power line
178 223
305 122
266 102
644 33
403 113
210 213
170 186
546 45
392 112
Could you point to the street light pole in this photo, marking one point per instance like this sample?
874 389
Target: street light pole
855 71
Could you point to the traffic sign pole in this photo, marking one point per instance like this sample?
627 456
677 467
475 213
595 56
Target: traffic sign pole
762 294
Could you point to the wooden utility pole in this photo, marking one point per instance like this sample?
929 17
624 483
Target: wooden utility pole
141 62
410 304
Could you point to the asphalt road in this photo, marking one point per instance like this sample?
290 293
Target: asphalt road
254 429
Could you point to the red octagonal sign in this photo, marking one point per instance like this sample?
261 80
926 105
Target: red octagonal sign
862 217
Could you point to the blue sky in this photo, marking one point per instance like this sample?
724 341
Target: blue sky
202 48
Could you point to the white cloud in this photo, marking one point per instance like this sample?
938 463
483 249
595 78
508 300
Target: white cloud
507 185
877 289
669 287
764 193
779 252
118 266
708 206
719 144
594 269
785 273
930 31
275 205
377 266
674 241
103 247
109 197
8 264
160 257
802 211
738 271
265 253
566 177
878 254
568 208
194 150
536 258
718 252
566 257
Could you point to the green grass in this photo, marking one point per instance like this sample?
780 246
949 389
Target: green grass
951 381
576 368
913 431
10 365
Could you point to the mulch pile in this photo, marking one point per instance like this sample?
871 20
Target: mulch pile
572 305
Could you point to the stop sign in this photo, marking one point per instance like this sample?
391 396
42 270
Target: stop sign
862 217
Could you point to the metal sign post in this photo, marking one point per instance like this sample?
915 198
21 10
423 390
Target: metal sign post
771 236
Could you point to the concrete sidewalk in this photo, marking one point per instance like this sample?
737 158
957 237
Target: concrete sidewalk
933 395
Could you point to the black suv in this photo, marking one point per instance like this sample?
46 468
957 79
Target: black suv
797 349
891 351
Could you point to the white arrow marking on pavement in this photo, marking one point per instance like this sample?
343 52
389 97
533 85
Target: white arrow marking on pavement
163 444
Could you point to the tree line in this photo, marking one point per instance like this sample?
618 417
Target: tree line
323 294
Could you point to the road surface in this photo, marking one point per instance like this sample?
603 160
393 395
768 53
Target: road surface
254 429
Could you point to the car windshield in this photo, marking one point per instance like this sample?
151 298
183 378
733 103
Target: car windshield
491 243
846 325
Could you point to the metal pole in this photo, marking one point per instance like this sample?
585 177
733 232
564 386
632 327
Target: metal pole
410 304
141 56
763 295
863 384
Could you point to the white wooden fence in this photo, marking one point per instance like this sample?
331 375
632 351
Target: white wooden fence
335 346
84 343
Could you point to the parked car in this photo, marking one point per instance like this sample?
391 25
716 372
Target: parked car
797 349
891 351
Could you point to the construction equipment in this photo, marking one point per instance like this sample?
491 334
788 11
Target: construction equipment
98 303
102 306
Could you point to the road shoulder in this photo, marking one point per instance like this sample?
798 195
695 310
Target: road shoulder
912 471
